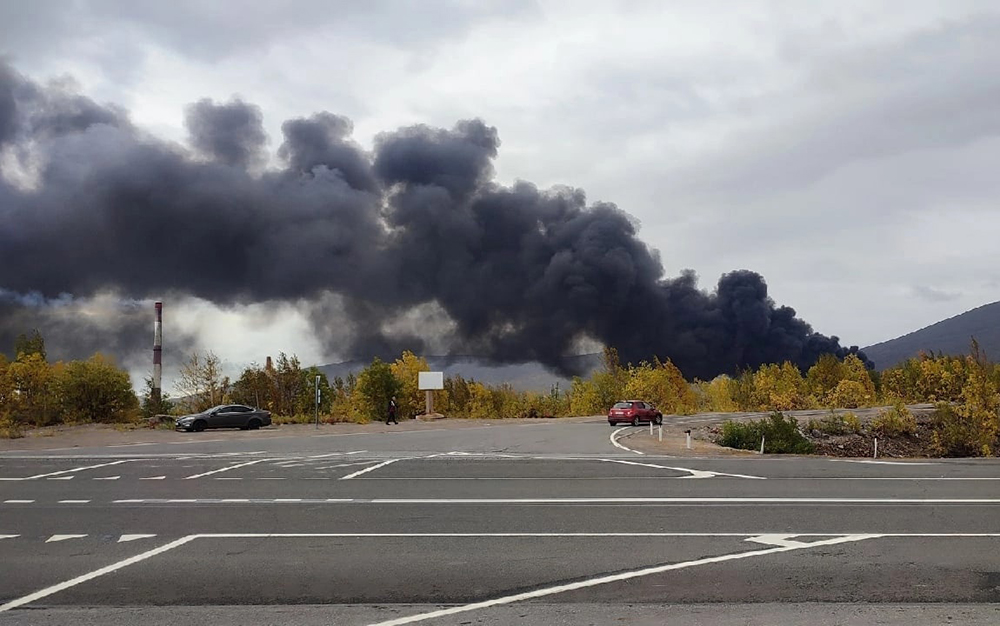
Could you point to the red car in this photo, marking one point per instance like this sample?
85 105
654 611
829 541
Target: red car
634 412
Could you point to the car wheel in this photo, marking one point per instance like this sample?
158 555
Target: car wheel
659 420
635 420
612 424
253 424
198 426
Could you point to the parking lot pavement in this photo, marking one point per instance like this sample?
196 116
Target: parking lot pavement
424 530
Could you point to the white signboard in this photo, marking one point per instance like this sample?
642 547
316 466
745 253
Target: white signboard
430 380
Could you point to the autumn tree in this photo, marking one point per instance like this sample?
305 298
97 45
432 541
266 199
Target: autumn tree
34 387
407 370
96 390
201 382
375 387
32 343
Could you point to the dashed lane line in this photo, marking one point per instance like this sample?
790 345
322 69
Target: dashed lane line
224 469
74 501
76 469
57 538
369 469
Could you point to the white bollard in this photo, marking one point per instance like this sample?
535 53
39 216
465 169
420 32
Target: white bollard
688 439
659 430
875 456
650 428
762 444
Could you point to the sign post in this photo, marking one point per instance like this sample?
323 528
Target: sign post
429 381
317 402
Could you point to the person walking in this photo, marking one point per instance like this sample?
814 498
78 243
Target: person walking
392 412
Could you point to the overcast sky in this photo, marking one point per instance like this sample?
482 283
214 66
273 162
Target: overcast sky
846 150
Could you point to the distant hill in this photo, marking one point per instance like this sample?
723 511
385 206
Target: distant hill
950 336
521 376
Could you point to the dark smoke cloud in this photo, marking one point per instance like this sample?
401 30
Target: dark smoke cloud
522 273
231 133
77 329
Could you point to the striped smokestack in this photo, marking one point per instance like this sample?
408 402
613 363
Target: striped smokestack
157 355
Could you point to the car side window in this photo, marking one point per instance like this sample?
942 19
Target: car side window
241 409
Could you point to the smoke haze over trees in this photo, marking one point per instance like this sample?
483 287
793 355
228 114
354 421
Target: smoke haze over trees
89 205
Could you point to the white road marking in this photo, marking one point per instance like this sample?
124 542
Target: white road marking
76 469
369 469
556 501
74 501
60 478
882 462
153 478
593 582
614 441
128 538
694 473
48 591
9 536
227 478
18 501
268 478
128 445
55 538
224 469
108 478
235 500
777 540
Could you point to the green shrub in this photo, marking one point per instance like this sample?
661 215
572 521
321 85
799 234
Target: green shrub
959 433
894 422
837 424
781 435
9 429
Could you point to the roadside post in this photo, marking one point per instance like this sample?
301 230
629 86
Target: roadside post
762 444
688 433
317 402
429 381
650 428
659 431
875 456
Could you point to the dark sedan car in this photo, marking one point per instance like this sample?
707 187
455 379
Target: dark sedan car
226 416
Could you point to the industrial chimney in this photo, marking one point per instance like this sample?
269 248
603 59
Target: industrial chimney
157 356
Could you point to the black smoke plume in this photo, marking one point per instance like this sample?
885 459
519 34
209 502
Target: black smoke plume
520 272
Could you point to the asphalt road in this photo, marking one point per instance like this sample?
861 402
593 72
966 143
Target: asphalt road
538 522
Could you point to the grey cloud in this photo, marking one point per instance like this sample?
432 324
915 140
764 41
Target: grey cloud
523 273
930 294
929 91
231 133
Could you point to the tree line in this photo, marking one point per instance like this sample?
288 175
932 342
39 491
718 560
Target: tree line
35 392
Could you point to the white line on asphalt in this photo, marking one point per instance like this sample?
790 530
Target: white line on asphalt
593 582
235 500
129 445
48 591
557 501
228 478
18 501
369 469
76 469
883 462
74 501
55 538
777 540
128 538
60 478
269 478
224 469
694 473
9 536
614 441
108 478
153 478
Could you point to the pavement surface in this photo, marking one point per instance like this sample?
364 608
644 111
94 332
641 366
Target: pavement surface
456 522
